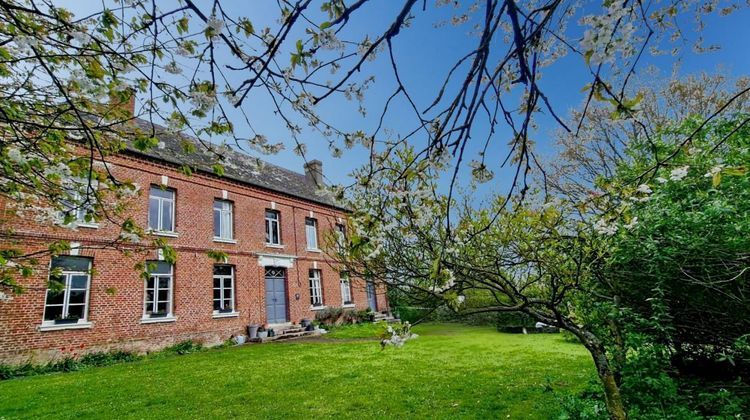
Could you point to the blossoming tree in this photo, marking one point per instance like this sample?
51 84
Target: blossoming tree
195 68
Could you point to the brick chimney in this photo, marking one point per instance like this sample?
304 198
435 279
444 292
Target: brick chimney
314 172
117 102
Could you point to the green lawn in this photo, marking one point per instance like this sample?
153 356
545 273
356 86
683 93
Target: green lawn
449 371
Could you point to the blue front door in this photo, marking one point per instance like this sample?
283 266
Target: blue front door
276 295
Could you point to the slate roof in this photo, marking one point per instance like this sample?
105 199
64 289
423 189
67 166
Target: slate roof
237 166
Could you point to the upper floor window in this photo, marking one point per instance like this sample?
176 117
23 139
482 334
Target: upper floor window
67 296
223 288
340 234
159 289
346 290
316 288
273 229
161 209
223 219
311 231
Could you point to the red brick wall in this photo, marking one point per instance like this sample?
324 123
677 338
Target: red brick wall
117 291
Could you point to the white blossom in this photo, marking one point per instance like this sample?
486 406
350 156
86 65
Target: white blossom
215 24
173 68
632 224
715 170
661 180
678 174
644 189
603 228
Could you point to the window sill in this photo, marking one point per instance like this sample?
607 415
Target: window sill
348 305
164 233
225 241
278 246
314 250
226 315
318 308
57 327
158 320
87 225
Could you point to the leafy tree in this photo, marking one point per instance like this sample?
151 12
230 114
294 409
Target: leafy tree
684 238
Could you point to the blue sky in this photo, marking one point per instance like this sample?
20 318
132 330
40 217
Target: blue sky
425 54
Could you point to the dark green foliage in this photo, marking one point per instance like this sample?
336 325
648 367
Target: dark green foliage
184 347
67 364
339 316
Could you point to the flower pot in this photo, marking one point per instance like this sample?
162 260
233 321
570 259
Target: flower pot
66 321
240 339
252 331
262 334
304 322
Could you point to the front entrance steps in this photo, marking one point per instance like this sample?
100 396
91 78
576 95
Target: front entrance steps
385 316
285 332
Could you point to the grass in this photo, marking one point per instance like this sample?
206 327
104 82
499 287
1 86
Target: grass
449 371
366 330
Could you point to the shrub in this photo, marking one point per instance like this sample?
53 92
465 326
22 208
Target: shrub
184 347
68 364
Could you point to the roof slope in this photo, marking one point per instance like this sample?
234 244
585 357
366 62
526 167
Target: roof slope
237 165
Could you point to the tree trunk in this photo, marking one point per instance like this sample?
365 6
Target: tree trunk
607 376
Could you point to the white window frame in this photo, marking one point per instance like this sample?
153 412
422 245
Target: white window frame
311 233
161 201
80 209
316 288
155 303
340 235
67 276
271 224
221 288
346 291
226 220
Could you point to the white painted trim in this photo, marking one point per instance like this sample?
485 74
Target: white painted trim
315 265
224 194
160 254
338 219
87 225
273 205
164 180
164 233
318 308
351 305
277 246
146 320
57 327
217 315
225 241
275 260
75 249
312 215
314 250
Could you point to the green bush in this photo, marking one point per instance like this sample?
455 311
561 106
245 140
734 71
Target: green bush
334 316
184 347
67 364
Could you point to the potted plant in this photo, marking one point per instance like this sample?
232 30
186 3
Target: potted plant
263 331
70 319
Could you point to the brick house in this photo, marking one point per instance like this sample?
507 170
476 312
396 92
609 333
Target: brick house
268 220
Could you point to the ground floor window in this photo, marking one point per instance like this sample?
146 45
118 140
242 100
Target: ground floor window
68 291
223 288
316 289
159 290
346 290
